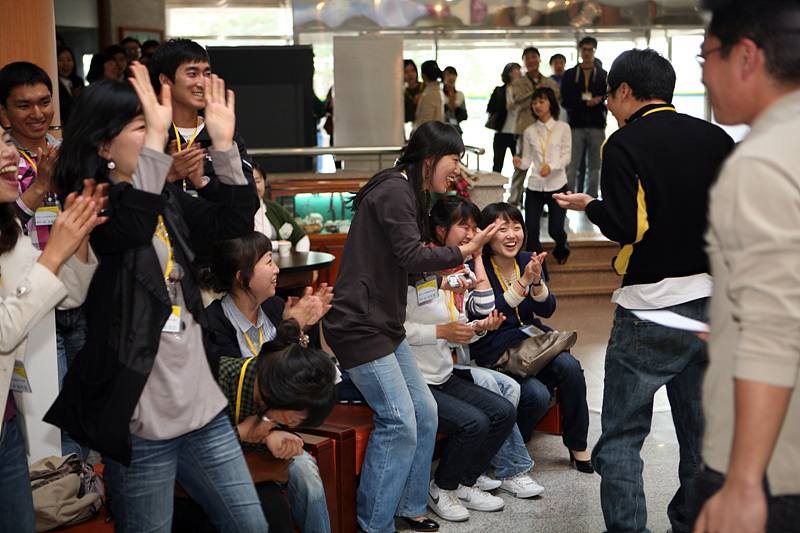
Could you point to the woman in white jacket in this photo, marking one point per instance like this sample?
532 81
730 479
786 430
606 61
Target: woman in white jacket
31 284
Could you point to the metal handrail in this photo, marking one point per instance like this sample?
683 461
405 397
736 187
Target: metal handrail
380 151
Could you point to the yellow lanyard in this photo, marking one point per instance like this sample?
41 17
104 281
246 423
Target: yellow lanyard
586 80
30 161
451 305
260 341
545 145
421 86
178 135
659 109
161 233
239 391
503 283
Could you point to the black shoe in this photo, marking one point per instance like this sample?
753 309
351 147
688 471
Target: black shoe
582 466
426 524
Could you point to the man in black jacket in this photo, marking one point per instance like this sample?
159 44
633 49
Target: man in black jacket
657 170
582 90
184 66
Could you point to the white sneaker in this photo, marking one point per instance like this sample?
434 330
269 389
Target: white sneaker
446 504
522 486
486 483
475 498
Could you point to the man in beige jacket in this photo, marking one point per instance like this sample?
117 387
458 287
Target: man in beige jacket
751 399
522 89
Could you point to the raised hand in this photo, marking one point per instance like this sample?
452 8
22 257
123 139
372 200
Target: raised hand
157 115
533 270
490 323
219 115
481 237
574 201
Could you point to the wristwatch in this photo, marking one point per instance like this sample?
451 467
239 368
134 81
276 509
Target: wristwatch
539 283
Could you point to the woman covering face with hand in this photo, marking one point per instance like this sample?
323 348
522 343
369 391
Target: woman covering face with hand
142 390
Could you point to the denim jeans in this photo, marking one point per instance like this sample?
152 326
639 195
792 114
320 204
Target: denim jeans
307 495
512 459
783 512
207 462
397 462
478 421
16 501
566 373
70 338
534 205
587 141
640 358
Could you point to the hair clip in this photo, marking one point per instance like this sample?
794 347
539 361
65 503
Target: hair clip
302 340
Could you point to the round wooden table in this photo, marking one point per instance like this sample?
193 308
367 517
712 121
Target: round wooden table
302 261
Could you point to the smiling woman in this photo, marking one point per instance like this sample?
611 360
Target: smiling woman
365 326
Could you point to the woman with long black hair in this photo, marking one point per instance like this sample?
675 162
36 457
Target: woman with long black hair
365 326
142 391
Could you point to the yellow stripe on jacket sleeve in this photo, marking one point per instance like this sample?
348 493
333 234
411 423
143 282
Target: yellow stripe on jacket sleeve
642 225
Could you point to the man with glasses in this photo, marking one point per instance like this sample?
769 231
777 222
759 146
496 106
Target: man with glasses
751 397
657 170
582 88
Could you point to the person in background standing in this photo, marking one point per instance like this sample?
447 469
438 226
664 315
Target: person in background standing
502 103
582 88
455 104
412 89
522 89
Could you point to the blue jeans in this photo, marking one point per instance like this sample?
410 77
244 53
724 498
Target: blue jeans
513 459
586 142
397 462
70 338
207 462
16 501
478 421
566 373
640 358
307 495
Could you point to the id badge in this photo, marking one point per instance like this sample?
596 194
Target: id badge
531 331
19 378
586 96
173 324
427 290
46 216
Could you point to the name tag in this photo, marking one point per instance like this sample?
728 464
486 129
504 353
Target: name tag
19 378
586 96
427 290
173 324
46 216
531 331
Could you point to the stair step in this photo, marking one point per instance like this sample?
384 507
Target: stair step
584 291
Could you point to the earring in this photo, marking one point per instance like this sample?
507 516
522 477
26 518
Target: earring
111 165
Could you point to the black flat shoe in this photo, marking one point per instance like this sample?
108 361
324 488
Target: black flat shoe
581 466
426 524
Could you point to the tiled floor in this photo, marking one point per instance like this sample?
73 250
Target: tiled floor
571 501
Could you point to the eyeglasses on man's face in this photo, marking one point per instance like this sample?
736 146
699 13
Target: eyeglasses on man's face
703 56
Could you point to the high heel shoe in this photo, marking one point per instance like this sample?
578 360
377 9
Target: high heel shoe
582 466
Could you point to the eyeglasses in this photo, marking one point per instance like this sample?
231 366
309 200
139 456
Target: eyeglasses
609 93
703 56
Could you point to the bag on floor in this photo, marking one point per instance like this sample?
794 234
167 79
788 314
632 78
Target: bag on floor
66 491
530 356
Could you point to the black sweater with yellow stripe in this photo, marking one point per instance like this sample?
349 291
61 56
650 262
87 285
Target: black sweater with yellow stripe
655 178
